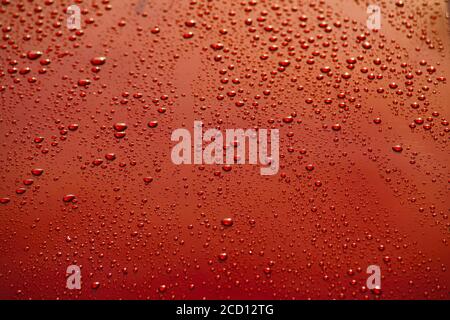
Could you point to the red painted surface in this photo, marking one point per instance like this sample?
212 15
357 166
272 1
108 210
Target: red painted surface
364 170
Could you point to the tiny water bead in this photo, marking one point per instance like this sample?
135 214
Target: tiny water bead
190 23
110 156
97 162
34 54
38 139
153 124
336 127
162 288
37 172
397 148
28 182
223 256
84 82
120 126
69 197
98 61
288 119
4 200
95 285
148 180
227 168
227 222
73 126
188 35
419 120
120 134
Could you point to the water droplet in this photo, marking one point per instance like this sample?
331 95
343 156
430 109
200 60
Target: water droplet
38 139
223 256
336 127
153 124
227 222
110 156
120 126
98 61
37 172
4 200
34 54
69 197
73 127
